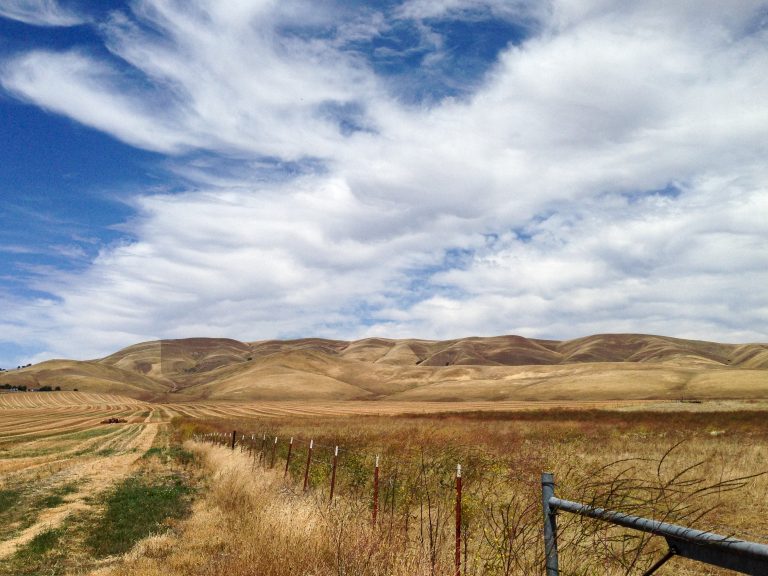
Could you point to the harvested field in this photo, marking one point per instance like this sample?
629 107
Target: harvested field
55 455
31 416
391 408
58 399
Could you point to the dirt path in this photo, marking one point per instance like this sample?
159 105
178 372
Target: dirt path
92 476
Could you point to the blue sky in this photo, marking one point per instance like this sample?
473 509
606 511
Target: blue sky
445 168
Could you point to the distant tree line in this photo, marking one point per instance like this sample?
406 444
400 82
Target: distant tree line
23 388
17 367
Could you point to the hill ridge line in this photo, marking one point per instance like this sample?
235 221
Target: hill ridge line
476 367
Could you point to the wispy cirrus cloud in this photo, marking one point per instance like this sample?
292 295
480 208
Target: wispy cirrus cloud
92 92
604 174
40 13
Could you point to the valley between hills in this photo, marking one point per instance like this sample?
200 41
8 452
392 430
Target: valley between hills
604 367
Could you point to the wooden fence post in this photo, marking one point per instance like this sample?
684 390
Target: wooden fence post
288 458
457 557
234 438
376 490
309 460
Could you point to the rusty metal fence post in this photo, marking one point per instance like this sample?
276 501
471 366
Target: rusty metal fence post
288 458
375 490
309 461
333 472
457 554
274 450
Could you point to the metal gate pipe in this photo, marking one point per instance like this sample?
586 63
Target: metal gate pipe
724 551
550 524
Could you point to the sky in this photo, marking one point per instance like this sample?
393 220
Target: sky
260 169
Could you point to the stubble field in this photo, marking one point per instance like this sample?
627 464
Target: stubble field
62 472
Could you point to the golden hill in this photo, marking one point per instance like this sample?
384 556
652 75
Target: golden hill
600 367
88 376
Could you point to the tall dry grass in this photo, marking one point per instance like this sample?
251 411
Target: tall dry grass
702 471
252 522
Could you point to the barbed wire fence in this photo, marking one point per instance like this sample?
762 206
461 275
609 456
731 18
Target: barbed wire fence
491 530
314 466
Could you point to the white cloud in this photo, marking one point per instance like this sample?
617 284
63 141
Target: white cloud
240 84
518 10
540 180
40 13
688 267
219 78
238 263
91 92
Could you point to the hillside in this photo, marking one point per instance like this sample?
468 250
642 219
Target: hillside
89 376
606 366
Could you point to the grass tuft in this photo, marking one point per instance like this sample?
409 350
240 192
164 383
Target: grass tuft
42 543
170 453
41 556
8 499
136 508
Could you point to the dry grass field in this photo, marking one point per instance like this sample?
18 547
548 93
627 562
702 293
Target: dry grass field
703 469
54 454
59 461
62 472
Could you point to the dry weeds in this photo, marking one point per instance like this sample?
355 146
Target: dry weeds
257 524
701 470
249 521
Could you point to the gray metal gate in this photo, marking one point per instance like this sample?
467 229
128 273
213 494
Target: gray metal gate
724 551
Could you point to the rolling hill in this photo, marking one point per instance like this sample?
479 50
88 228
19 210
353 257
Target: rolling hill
600 367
